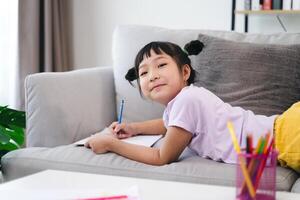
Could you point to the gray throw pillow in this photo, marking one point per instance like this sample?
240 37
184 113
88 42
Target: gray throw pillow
263 78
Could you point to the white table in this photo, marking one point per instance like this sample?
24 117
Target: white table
52 184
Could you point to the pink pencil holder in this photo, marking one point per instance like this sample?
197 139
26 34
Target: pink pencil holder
262 175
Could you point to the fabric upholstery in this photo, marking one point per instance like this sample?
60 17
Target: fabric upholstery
296 186
62 108
264 78
190 169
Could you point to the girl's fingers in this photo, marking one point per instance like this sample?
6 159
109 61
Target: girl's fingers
122 135
111 130
119 127
116 129
113 125
87 145
119 130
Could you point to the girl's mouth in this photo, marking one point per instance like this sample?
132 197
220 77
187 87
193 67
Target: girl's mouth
156 86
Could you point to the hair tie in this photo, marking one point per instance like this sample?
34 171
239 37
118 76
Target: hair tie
194 47
185 51
131 74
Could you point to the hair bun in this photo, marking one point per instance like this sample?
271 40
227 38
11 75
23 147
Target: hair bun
194 47
131 75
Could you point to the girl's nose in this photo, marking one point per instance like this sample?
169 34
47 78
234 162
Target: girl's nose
154 75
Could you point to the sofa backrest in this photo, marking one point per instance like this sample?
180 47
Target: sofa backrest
129 39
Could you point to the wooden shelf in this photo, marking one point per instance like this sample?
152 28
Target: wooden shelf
267 12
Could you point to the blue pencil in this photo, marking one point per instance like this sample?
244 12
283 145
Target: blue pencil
121 112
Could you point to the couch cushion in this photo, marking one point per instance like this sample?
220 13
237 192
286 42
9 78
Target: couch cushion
296 186
190 168
129 39
264 78
64 107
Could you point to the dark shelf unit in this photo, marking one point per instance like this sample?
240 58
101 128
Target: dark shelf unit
246 14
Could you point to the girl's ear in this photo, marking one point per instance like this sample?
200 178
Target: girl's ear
186 72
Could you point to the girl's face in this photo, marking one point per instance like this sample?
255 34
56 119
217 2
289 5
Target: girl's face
160 78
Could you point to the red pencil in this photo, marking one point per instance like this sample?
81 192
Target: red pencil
263 164
120 197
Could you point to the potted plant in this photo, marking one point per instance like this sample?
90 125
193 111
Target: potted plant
12 125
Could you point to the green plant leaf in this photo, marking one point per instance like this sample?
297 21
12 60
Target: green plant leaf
10 116
17 134
9 146
4 137
12 124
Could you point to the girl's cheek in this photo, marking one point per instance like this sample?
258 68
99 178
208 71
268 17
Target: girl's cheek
144 87
143 83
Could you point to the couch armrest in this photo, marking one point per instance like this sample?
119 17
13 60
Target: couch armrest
63 107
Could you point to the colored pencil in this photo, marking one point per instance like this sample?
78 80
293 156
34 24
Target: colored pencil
120 197
121 112
252 163
242 163
263 164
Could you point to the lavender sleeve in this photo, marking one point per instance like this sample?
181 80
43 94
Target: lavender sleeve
185 113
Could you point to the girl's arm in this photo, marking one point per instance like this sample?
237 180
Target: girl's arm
150 127
175 141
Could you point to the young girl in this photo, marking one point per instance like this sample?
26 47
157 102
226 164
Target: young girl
193 116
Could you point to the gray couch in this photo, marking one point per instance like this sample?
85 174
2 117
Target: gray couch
62 108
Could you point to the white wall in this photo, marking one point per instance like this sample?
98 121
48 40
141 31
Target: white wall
95 20
8 52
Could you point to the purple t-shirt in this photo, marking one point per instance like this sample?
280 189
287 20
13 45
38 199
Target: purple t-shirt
205 116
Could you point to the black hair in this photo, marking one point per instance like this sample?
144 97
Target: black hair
179 55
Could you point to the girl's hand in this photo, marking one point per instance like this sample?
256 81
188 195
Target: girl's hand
99 143
122 130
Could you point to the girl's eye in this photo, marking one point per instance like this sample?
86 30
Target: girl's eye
161 65
143 73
